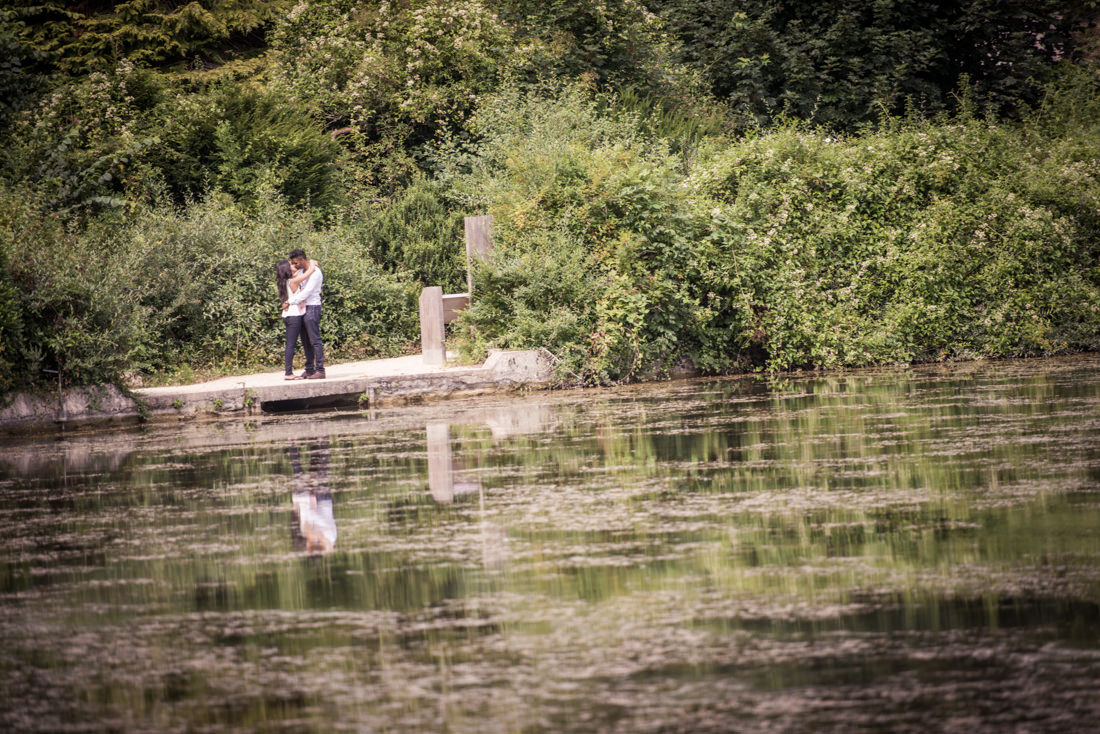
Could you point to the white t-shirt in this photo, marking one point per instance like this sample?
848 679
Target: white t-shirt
296 309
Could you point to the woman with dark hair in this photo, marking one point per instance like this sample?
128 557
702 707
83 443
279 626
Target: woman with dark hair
288 279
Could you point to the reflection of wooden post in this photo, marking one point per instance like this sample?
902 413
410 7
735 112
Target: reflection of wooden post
441 478
479 243
431 326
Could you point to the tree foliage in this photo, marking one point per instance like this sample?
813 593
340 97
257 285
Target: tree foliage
97 35
764 183
842 64
791 248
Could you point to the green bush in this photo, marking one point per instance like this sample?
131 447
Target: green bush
615 43
237 140
110 139
96 36
75 310
846 64
21 71
159 288
82 147
925 240
12 346
419 234
387 77
597 246
918 243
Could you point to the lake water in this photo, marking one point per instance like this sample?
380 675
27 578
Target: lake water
899 550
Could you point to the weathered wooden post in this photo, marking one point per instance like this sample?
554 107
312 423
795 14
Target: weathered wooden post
479 244
431 326
437 309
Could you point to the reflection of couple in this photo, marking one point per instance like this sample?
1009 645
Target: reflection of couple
313 526
299 280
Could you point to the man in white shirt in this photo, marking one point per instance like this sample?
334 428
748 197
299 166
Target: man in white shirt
310 294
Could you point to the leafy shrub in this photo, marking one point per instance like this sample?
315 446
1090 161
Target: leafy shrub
238 140
96 36
918 243
114 138
387 77
21 70
158 288
12 346
596 245
417 233
74 312
615 42
791 248
82 145
844 64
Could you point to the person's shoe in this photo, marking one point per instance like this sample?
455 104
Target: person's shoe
305 375
293 376
318 375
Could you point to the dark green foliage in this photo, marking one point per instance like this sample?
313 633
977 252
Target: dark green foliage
386 78
843 63
22 69
913 245
73 312
599 250
96 36
109 138
616 42
81 146
12 346
233 139
418 234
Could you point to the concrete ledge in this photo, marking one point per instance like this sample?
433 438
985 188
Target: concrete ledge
29 412
371 383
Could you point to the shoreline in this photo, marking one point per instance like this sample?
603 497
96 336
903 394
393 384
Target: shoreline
365 384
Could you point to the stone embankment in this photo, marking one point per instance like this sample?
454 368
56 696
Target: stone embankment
363 384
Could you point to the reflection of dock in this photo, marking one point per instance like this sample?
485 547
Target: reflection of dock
107 450
447 481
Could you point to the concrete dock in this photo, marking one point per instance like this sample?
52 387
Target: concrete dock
363 384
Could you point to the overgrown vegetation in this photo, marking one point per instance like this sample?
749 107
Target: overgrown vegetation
736 186
791 247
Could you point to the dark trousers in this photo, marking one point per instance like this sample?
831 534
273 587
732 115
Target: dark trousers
315 352
295 329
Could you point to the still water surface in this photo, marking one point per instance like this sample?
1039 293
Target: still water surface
904 550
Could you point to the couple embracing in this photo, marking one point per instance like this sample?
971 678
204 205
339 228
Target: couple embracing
299 280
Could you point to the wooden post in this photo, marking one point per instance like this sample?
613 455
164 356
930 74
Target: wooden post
479 244
431 326
453 304
436 309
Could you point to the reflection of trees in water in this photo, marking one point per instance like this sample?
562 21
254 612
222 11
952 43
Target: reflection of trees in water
313 527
